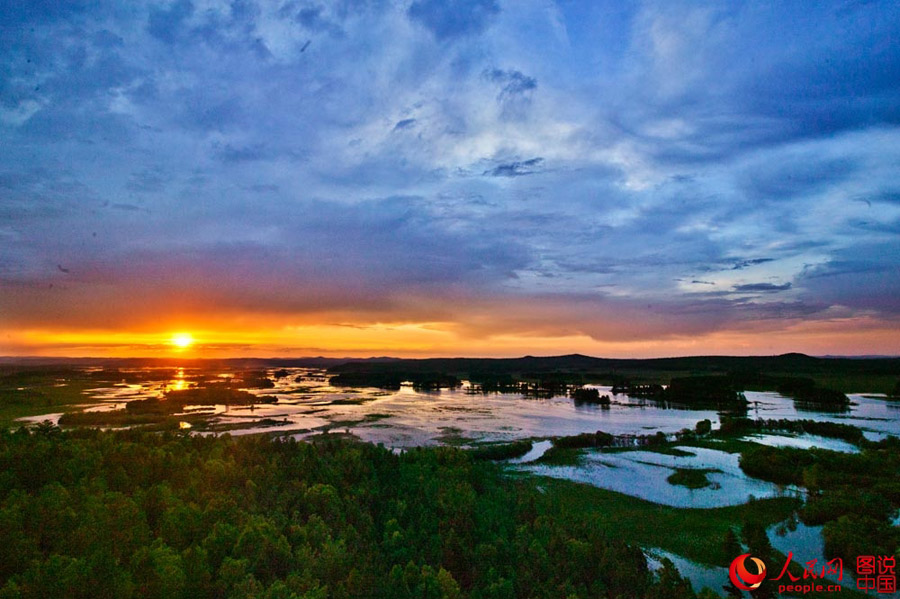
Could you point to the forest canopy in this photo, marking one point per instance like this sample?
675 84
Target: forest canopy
129 514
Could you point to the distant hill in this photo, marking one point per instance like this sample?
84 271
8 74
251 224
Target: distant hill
793 363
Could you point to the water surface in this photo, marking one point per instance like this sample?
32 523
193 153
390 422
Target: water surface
643 474
409 417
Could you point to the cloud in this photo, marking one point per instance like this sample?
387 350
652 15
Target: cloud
404 124
516 169
800 176
515 93
168 24
761 287
742 264
297 159
512 82
861 277
146 181
454 18
329 256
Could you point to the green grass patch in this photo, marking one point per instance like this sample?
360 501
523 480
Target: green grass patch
857 383
350 401
452 436
662 449
502 451
377 416
561 456
692 478
696 534
42 396
726 444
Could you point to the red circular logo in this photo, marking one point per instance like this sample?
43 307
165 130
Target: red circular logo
742 577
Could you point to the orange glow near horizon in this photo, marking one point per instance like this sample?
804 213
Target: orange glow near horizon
852 336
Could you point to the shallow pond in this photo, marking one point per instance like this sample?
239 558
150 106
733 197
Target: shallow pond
537 450
805 544
700 576
643 474
868 412
803 442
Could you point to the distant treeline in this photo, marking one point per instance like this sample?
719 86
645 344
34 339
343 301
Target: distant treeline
695 390
590 395
834 430
794 374
577 364
394 379
724 390
795 363
718 389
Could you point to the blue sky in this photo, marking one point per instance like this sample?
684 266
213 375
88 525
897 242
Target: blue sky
484 177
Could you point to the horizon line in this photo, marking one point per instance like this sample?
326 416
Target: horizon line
5 358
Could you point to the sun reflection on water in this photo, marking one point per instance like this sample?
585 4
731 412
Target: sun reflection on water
178 383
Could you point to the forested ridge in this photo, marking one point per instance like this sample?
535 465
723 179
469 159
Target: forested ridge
129 514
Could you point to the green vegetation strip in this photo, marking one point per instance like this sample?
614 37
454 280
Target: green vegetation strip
22 396
502 451
697 534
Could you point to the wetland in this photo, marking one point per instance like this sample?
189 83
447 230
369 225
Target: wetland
687 482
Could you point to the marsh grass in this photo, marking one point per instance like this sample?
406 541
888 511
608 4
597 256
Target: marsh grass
692 478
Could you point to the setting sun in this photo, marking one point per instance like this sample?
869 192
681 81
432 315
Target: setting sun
182 340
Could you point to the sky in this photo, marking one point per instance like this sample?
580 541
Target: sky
459 177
